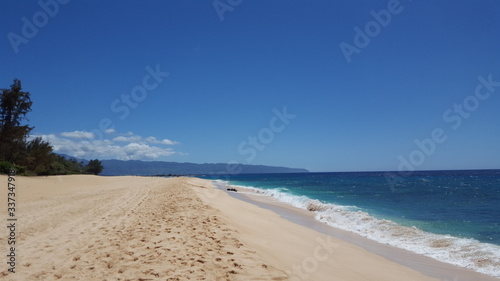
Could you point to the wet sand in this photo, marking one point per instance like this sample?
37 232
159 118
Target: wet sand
139 228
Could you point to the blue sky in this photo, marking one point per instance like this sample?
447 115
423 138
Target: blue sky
262 82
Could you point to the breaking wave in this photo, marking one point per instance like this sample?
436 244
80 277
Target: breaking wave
463 252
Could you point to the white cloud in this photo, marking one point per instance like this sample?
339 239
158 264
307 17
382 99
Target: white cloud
128 139
109 131
139 139
164 141
136 151
169 142
78 135
130 147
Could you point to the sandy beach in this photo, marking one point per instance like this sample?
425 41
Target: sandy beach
140 228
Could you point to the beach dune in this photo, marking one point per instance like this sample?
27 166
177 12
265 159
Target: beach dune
140 228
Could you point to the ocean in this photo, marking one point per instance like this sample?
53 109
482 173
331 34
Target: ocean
452 216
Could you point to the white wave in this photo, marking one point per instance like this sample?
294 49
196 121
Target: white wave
463 252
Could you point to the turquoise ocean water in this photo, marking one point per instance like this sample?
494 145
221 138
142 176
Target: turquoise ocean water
452 216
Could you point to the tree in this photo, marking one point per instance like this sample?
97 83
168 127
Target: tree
14 105
39 156
30 156
35 155
94 167
62 166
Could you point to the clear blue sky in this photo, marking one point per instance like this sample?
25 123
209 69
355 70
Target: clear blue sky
232 66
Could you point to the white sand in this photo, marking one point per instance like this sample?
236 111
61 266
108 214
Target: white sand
138 228
124 228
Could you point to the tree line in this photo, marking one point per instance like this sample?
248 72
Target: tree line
30 156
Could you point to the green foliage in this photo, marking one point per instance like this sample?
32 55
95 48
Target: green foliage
38 156
5 167
14 105
33 156
63 166
94 167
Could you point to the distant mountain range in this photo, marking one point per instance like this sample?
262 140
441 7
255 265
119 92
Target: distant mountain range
146 168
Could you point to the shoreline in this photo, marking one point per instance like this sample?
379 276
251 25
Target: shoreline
144 228
426 265
297 248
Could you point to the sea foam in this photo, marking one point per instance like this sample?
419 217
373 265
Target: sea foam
463 252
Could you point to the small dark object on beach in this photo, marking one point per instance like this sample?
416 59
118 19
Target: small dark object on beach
232 189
